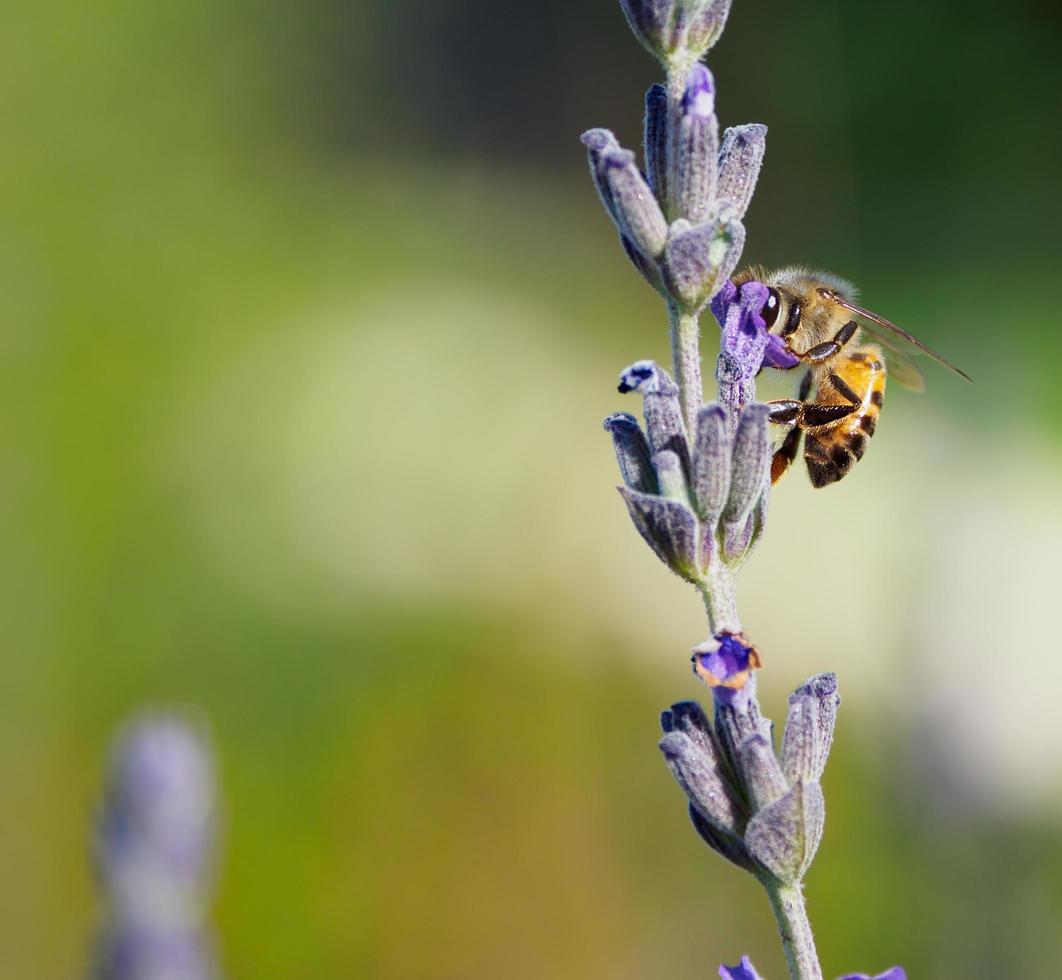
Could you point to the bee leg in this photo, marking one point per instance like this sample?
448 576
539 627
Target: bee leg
816 414
785 454
813 415
831 348
784 411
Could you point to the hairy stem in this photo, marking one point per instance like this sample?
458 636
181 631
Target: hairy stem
686 355
798 944
720 600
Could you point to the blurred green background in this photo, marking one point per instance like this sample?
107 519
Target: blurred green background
310 320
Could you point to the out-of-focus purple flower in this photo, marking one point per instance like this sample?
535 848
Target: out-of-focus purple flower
154 848
896 973
725 663
742 971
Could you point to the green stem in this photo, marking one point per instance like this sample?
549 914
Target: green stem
686 356
798 944
720 599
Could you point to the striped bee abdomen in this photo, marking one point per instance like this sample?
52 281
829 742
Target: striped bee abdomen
856 376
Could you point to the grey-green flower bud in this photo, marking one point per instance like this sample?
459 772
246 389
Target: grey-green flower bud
669 528
676 30
711 463
760 771
632 452
693 179
656 140
700 780
670 476
740 159
698 260
663 411
625 194
785 835
751 468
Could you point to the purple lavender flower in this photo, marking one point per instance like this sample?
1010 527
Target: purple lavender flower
725 663
743 971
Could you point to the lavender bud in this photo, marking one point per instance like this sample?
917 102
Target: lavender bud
760 771
751 467
698 260
625 194
739 539
799 743
706 26
663 412
675 29
669 528
632 452
656 140
670 476
737 716
711 463
822 689
740 159
650 21
784 835
700 780
693 178
599 143
726 845
154 844
688 717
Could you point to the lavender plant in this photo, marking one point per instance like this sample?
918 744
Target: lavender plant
696 478
153 846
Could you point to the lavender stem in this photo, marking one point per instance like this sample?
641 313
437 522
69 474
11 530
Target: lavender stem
720 601
686 354
798 943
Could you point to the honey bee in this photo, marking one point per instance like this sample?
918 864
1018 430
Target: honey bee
843 388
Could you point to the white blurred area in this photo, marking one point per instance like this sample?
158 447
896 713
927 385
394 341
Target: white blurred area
442 447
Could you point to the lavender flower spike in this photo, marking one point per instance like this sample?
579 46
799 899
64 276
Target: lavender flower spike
743 971
154 847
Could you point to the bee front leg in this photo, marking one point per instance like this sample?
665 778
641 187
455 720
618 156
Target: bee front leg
831 348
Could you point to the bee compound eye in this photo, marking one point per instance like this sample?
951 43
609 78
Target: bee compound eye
770 308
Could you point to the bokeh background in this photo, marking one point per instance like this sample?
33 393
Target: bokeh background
310 317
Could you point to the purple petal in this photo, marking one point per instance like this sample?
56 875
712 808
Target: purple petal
776 355
744 340
742 971
699 97
725 661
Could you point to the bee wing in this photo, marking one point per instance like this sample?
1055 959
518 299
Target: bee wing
903 369
901 344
